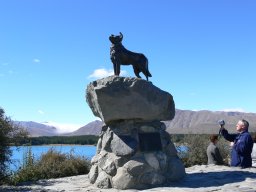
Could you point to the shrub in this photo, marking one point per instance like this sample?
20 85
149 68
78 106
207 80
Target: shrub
52 164
196 154
225 150
9 135
196 146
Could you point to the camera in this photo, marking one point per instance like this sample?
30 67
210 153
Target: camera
221 122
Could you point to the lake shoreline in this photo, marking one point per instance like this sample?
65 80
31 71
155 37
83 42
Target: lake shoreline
52 145
37 150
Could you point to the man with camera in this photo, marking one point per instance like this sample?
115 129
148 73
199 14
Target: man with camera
243 144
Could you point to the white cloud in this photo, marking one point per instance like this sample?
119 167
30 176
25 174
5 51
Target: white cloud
234 110
36 61
63 127
40 112
100 73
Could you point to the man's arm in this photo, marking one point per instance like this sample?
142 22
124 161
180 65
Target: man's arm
226 135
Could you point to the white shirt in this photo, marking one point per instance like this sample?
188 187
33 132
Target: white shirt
254 155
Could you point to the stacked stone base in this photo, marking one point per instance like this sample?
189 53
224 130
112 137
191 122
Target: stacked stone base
134 150
133 154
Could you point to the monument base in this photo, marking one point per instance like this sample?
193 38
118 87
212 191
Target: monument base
133 154
134 150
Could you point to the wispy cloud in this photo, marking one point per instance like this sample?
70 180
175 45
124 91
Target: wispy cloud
64 127
102 72
233 110
41 112
36 60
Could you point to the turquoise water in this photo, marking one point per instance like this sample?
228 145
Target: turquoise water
78 150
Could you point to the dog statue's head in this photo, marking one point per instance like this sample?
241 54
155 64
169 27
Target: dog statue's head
116 39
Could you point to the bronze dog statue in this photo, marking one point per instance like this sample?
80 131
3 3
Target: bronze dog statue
121 56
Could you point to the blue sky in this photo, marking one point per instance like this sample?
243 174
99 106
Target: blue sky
202 52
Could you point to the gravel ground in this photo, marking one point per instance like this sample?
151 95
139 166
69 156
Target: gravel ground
203 178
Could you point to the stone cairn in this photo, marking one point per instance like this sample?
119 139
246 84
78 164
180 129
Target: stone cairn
134 151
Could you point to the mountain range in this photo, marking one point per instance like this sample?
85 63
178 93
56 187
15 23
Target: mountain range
184 122
206 122
37 129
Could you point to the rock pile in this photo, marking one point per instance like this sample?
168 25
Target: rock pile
134 150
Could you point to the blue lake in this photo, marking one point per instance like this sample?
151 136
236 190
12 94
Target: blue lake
20 152
78 150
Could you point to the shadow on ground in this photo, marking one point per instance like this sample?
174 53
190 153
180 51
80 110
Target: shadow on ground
18 189
212 179
26 186
192 181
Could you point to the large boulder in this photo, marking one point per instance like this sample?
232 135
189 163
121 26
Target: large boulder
134 151
122 98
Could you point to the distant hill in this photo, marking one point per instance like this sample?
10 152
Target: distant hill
92 128
184 122
40 129
37 129
206 122
189 122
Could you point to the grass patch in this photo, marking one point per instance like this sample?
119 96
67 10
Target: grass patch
196 146
52 164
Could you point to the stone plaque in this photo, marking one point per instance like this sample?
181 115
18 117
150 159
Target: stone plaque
150 142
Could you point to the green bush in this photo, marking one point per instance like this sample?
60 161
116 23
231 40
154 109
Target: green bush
9 135
52 164
196 149
225 150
